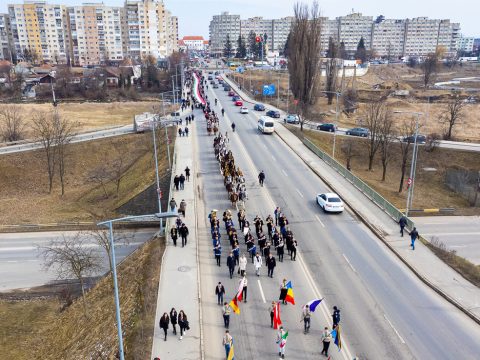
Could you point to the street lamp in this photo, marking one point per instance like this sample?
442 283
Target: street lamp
336 117
413 166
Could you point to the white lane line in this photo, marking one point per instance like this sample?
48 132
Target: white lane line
33 260
299 193
273 158
12 261
261 291
393 327
284 173
320 221
349 264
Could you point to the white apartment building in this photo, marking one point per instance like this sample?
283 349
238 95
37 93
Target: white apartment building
39 27
5 52
260 27
94 34
388 37
329 29
280 30
221 26
352 28
171 32
465 44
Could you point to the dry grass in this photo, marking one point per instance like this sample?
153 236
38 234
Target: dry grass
24 194
39 328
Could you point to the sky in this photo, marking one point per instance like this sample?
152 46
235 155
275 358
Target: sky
194 15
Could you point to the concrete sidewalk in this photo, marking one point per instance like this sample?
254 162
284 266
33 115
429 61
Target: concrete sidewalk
179 278
426 265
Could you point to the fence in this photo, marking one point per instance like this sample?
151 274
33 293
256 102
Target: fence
380 201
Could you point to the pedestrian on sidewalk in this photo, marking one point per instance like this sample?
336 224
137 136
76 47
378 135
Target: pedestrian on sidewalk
219 291
182 182
187 173
174 235
336 316
326 339
244 281
306 319
178 222
186 130
173 204
176 182
271 263
183 323
184 234
243 265
293 250
227 342
231 264
180 130
164 322
173 320
413 236
281 341
272 313
183 207
217 251
402 222
257 263
226 310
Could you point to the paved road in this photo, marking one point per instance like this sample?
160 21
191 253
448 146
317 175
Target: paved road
21 263
459 233
387 312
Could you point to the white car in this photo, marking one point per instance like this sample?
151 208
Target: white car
243 110
330 202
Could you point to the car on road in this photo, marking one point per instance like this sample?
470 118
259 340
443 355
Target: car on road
212 82
236 97
215 86
243 110
292 119
327 127
210 77
265 125
259 107
273 113
238 103
330 202
421 139
358 132
175 113
231 93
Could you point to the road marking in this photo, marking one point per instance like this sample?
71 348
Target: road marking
284 173
33 260
349 264
273 158
265 146
299 193
320 221
261 291
12 261
458 246
393 327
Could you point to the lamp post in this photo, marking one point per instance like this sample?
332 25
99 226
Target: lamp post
337 94
413 166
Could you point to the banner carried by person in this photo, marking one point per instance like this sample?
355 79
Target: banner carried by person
276 316
234 305
290 297
312 305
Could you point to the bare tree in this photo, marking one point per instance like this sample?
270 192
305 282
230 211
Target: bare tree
386 136
64 132
120 166
102 237
349 151
407 129
70 257
429 67
350 99
375 113
452 114
304 56
102 176
12 123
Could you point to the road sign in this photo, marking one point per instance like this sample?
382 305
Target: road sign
409 182
160 193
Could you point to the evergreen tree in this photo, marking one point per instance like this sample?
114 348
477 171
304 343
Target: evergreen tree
252 44
361 52
286 48
332 48
342 52
241 48
227 50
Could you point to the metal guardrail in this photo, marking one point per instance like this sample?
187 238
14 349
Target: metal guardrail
379 200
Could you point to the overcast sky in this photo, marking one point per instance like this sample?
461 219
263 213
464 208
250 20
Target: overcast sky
194 15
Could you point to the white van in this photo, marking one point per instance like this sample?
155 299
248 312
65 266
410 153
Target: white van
266 125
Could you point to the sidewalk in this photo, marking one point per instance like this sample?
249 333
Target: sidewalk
426 265
178 285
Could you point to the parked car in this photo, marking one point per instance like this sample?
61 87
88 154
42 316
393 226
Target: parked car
292 119
243 110
273 113
421 139
330 202
327 127
231 93
358 132
259 107
238 103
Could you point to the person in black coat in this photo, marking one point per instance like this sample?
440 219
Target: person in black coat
336 316
183 233
174 235
231 263
183 323
173 320
271 263
402 222
176 182
187 173
164 322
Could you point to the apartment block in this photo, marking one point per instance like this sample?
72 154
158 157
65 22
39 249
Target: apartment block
221 26
280 30
329 29
260 27
352 27
465 44
5 47
171 32
388 37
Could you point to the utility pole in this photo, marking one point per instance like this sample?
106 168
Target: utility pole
278 91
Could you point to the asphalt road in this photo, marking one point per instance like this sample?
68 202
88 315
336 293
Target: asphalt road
387 313
459 233
21 263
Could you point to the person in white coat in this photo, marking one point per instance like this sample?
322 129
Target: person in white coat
243 265
257 262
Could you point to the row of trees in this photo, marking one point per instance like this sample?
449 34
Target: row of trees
245 48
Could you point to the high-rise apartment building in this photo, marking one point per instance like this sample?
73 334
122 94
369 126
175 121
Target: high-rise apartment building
221 26
259 26
171 32
5 47
280 30
388 37
329 29
352 27
465 44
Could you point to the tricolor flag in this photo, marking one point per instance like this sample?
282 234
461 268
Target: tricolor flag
290 297
336 337
240 290
284 339
276 316
231 353
312 305
234 305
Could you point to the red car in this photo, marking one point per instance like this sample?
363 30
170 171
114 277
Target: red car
238 103
231 93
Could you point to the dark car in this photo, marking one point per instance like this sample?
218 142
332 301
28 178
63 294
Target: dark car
236 98
358 132
259 107
215 86
226 88
327 127
421 139
210 77
212 82
273 113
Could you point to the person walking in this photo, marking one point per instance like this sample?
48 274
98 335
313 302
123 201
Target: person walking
183 207
186 130
164 322
219 291
174 235
181 179
226 310
276 213
281 341
306 314
231 264
227 342
283 291
272 313
257 262
180 130
261 178
173 320
217 251
280 249
173 204
413 236
271 263
336 316
243 265
236 254
293 250
183 323
184 234
402 222
187 173
176 182
326 339
244 281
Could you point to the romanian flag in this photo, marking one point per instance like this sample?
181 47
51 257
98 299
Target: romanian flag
234 305
231 353
290 297
276 316
336 337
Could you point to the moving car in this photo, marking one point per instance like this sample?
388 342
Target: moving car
236 97
231 93
265 125
238 103
210 77
330 202
212 82
327 127
243 110
358 132
421 139
259 107
273 114
215 86
292 119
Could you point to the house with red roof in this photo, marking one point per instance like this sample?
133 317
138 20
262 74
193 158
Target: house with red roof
193 43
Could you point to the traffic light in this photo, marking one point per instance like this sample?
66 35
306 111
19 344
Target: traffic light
258 39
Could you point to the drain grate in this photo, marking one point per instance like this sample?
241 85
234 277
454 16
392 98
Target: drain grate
184 268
